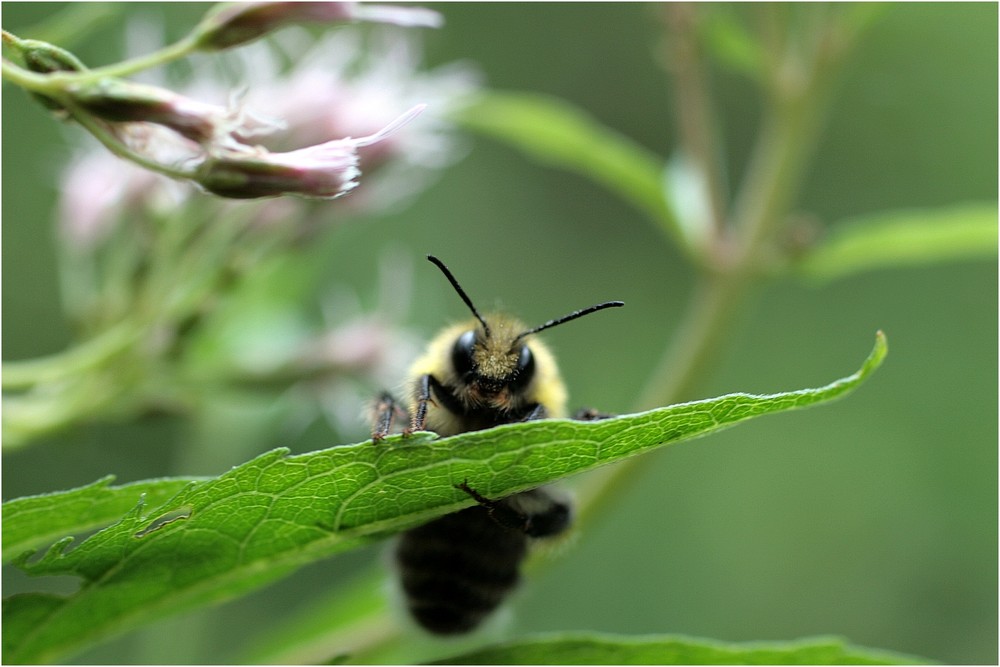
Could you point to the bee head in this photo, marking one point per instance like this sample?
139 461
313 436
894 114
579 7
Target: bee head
494 358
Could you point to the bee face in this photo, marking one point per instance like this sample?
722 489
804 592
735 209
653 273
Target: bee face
493 366
486 376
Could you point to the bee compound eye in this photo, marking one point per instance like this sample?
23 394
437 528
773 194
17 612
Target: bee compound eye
461 353
525 368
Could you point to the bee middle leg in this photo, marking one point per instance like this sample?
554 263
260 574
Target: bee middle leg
537 412
549 516
419 418
590 415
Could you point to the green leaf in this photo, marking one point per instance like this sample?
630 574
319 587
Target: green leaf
560 135
33 521
904 238
600 649
218 538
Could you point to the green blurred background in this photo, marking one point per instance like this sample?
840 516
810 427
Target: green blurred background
874 518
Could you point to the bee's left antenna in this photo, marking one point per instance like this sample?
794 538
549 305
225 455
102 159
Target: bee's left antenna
461 292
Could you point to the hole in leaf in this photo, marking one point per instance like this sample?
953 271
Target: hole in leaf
178 514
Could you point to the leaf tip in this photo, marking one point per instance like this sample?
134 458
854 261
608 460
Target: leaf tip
879 352
28 559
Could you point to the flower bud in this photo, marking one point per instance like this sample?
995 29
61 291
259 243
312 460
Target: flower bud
117 100
43 58
324 171
238 23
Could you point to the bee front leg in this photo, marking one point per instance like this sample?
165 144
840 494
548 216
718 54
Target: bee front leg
385 409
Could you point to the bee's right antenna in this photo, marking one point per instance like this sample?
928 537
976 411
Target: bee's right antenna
572 316
461 292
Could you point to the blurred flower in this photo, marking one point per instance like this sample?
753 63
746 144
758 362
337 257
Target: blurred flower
406 17
344 84
98 188
357 354
233 24
350 83
362 352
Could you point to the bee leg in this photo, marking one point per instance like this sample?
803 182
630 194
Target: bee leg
419 418
550 517
589 415
502 514
537 412
385 408
430 390
481 499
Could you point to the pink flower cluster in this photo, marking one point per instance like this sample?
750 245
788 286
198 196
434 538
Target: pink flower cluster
342 100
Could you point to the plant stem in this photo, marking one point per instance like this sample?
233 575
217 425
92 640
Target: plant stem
74 361
695 113
696 342
775 173
117 147
800 93
24 78
167 54
683 364
54 84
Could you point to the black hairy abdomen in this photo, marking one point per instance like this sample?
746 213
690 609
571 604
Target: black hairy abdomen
457 569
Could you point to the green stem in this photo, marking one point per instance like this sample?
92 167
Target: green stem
801 91
775 173
72 362
694 346
36 83
115 145
682 366
167 54
695 113
54 84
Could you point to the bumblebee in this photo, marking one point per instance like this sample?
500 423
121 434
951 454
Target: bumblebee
488 371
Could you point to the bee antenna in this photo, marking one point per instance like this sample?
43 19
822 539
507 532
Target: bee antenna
572 316
461 292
